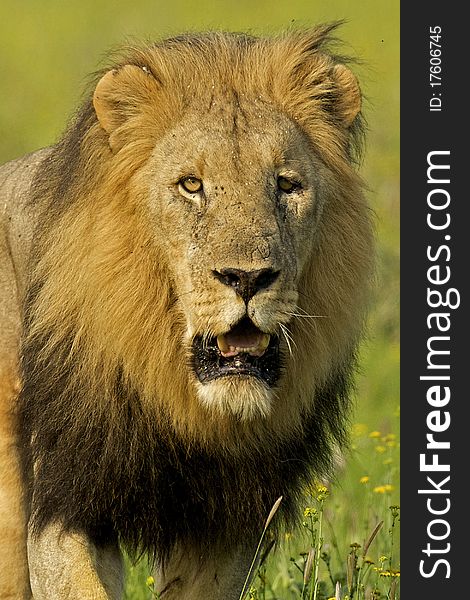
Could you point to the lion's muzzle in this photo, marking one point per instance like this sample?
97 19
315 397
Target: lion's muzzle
244 350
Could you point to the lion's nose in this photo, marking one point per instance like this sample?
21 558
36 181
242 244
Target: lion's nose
247 283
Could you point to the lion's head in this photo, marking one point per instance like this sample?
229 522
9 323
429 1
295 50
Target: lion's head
206 239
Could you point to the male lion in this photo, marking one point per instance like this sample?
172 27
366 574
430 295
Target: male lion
184 279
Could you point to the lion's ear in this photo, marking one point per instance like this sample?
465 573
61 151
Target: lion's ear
348 103
120 93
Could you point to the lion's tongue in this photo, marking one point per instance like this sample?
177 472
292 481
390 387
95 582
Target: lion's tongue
246 339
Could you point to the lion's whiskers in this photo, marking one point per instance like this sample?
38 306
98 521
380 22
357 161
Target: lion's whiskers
307 319
206 337
303 313
306 316
288 336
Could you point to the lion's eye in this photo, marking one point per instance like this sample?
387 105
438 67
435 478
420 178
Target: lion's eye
286 185
192 185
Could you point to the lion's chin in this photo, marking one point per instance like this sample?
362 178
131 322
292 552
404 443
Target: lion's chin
243 397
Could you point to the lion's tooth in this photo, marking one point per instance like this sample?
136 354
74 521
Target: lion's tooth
222 343
229 350
260 349
264 342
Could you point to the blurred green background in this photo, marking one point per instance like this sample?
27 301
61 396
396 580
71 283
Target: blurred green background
49 47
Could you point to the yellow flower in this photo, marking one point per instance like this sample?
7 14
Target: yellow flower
150 581
355 546
322 492
364 479
310 512
384 489
359 429
375 434
388 461
389 573
380 449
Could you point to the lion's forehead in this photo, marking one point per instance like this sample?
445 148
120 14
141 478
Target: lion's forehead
238 112
238 142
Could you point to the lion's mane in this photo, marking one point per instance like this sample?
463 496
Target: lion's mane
117 443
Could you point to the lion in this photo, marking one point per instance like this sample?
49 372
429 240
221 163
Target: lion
185 279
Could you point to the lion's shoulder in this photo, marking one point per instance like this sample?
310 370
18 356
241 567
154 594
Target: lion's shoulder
18 216
17 174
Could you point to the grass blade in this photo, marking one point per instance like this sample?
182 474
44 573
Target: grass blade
258 548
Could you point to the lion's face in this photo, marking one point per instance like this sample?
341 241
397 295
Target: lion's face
234 199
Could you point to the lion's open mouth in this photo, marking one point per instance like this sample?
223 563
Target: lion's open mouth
244 350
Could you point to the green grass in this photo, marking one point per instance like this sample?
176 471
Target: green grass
47 50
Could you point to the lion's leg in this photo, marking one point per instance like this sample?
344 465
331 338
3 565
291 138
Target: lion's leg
193 577
14 581
66 566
